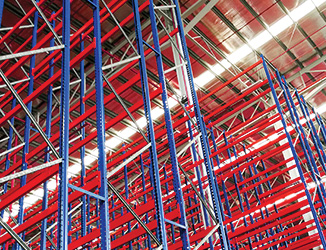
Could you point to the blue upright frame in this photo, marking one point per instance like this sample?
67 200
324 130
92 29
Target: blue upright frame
62 240
169 128
150 131
20 218
82 149
214 191
279 109
47 150
100 125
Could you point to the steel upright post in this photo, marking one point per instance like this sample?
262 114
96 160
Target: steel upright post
7 162
321 124
125 170
279 109
100 125
27 129
198 174
217 209
148 242
2 3
222 181
82 149
150 131
169 128
314 135
303 140
47 150
62 240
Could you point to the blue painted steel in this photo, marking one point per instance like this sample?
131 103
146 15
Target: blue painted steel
62 240
100 125
271 231
256 191
245 195
51 235
236 184
125 169
260 186
241 180
148 242
254 181
92 3
47 155
2 2
113 215
143 177
33 129
314 136
121 212
313 211
303 139
281 227
150 131
95 196
168 201
82 131
234 176
192 210
197 209
88 214
20 218
166 183
266 175
214 175
224 190
175 223
214 191
69 217
200 184
170 135
7 162
321 124
275 208
222 181
150 47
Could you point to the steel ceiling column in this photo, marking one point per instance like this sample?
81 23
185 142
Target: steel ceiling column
154 169
100 125
62 241
214 195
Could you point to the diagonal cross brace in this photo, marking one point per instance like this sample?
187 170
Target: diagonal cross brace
14 235
29 114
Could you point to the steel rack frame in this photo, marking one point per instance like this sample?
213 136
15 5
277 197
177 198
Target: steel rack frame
249 174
